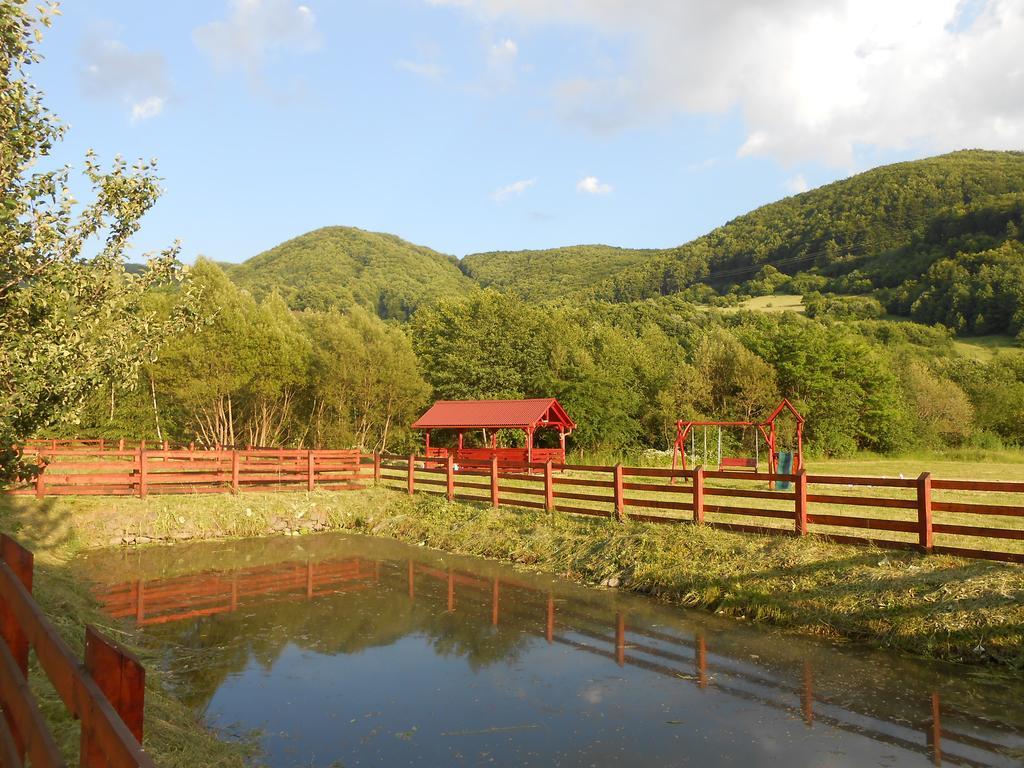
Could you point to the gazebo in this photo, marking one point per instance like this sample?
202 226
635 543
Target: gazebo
530 416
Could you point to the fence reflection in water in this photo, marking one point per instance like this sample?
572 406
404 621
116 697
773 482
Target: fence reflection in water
926 730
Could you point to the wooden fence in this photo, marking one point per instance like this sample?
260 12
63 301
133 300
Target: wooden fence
967 518
74 471
105 692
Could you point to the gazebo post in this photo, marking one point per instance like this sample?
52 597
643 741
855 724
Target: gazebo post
529 446
427 446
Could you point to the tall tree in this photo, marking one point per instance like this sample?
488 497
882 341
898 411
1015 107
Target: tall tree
70 315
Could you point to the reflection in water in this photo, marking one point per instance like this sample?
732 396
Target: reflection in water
362 651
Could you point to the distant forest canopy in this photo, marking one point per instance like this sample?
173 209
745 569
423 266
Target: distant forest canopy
341 337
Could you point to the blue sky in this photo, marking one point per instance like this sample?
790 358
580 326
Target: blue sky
473 125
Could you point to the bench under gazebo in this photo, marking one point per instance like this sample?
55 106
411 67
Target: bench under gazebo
490 416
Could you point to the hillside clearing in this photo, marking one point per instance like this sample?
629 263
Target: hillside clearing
779 302
984 348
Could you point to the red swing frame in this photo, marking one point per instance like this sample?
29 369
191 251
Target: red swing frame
766 428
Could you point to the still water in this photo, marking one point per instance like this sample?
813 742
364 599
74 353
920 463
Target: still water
347 650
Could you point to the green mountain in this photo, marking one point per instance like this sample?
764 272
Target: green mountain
937 240
863 223
553 272
345 266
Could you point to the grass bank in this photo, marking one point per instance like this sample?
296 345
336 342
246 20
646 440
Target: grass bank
174 735
936 607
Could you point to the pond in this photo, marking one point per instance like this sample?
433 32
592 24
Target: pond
346 650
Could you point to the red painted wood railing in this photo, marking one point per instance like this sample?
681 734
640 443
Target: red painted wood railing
105 693
140 472
898 513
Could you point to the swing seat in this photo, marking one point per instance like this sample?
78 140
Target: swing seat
738 464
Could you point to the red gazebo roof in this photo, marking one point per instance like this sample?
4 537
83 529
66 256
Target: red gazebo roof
496 414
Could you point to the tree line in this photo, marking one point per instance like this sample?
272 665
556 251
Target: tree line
256 372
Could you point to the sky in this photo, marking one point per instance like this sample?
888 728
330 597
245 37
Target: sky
477 125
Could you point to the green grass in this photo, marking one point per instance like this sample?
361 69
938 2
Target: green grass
779 302
984 348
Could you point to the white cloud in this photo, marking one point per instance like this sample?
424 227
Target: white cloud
147 108
515 189
812 79
703 165
426 69
257 30
591 185
797 184
503 53
112 71
426 64
502 58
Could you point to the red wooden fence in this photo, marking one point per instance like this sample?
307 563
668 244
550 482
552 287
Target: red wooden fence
968 518
105 692
887 512
90 471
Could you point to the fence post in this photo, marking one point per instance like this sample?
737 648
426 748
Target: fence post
143 477
376 467
549 488
620 639
234 472
620 504
800 511
924 511
933 736
19 560
495 501
412 474
698 494
310 471
449 470
123 681
41 480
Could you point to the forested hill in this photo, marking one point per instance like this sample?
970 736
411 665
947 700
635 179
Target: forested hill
344 266
938 240
837 228
552 272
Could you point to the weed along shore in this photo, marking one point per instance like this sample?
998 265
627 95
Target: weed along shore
939 607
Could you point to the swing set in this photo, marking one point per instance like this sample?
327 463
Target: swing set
765 430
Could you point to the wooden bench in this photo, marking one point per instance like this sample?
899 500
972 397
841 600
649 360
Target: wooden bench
735 464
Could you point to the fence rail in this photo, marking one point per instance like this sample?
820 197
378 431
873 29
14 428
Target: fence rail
105 692
73 471
887 512
967 518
